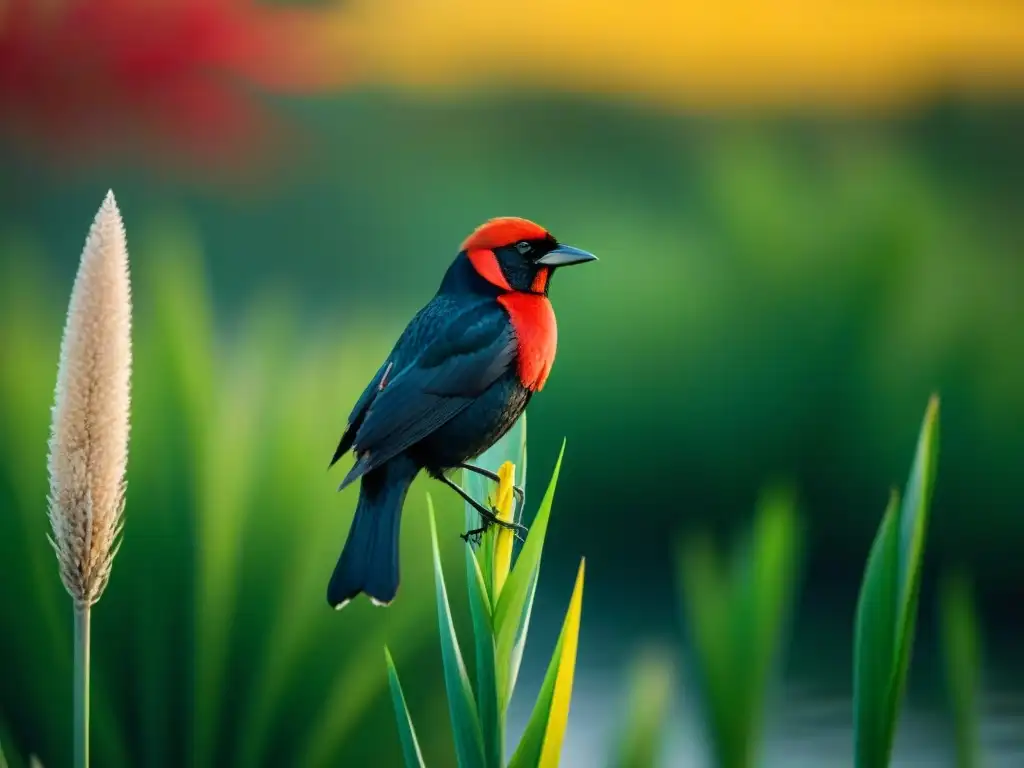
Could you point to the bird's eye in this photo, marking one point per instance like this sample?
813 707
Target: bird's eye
523 247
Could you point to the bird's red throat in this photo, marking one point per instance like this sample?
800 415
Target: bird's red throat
533 320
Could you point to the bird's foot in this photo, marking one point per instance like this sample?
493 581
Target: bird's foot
474 536
517 529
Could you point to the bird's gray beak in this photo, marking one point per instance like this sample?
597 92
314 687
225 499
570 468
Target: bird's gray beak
564 256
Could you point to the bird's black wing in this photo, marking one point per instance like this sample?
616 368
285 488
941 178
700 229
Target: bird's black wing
355 419
471 351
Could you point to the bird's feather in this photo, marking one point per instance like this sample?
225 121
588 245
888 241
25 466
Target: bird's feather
355 419
473 349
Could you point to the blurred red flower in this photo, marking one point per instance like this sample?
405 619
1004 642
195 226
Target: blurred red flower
173 79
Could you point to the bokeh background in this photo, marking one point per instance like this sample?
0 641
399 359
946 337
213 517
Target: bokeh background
808 217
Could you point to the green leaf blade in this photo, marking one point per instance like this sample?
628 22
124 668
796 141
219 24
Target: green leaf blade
491 721
766 583
466 730
887 606
874 650
914 515
916 501
736 619
705 597
541 743
406 732
519 644
515 601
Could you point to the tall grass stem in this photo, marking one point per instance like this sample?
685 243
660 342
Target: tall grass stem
83 616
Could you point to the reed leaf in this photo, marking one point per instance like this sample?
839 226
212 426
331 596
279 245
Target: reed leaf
492 722
541 743
406 732
736 618
469 747
887 605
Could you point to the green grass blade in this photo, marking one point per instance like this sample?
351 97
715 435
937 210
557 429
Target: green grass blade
541 743
516 596
874 649
516 657
736 621
706 596
961 647
640 741
913 525
492 724
762 602
3 760
916 501
406 731
465 725
887 608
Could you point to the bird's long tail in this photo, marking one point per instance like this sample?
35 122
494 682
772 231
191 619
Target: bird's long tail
369 560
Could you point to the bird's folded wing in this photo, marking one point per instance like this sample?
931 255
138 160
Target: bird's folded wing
355 419
471 352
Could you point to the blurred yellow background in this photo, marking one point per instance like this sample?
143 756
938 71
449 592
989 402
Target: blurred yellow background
736 54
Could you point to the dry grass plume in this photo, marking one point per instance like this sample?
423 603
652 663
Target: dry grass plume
88 450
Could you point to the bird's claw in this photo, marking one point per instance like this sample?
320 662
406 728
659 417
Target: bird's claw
517 528
476 534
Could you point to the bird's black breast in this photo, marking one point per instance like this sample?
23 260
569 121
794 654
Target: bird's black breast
476 428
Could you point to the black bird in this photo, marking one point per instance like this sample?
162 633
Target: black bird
459 377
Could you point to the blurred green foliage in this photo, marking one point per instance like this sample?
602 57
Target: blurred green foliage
640 737
737 615
961 651
214 643
775 296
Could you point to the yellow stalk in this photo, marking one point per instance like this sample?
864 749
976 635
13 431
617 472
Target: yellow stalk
505 504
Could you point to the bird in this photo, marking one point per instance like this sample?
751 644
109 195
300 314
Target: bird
457 379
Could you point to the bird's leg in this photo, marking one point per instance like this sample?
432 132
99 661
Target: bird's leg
517 490
490 516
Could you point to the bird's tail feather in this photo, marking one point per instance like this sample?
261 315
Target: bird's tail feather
369 560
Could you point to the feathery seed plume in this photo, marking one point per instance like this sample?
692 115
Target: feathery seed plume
89 432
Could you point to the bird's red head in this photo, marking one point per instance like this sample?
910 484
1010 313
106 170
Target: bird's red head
517 255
